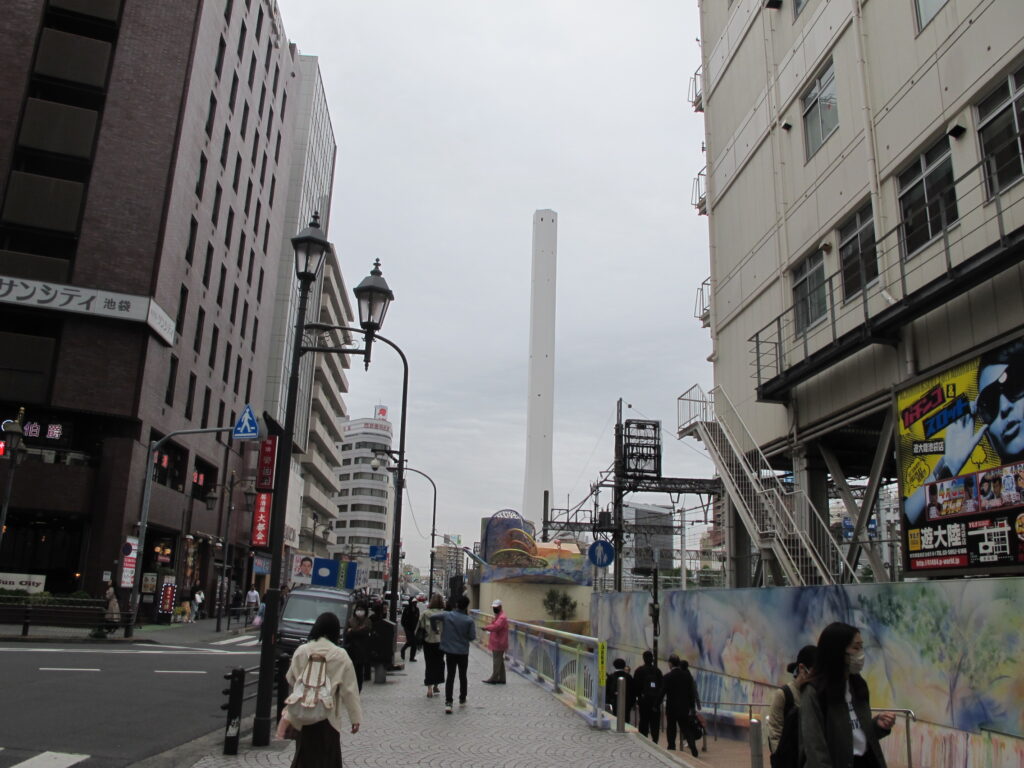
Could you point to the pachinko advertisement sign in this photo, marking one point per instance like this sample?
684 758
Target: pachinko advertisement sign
961 466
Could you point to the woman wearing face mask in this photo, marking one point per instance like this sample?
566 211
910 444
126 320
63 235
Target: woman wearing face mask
357 640
433 675
836 727
788 696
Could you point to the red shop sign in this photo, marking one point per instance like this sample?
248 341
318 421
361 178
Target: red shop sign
167 593
261 520
265 464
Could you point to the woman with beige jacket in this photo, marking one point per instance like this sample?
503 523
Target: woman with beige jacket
319 745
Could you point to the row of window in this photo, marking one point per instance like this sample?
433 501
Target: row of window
927 201
924 10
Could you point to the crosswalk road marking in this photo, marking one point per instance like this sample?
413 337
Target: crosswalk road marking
237 639
50 760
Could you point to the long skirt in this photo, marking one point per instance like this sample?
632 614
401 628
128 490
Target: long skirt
318 746
434 672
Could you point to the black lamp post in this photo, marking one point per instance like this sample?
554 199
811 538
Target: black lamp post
12 435
373 296
211 502
433 518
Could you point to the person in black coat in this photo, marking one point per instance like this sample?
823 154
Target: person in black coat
647 682
611 689
410 618
681 701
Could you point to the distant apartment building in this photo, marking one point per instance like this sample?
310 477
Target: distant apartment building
364 501
146 152
864 198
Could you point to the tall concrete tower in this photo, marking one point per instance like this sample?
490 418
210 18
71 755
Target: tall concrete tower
540 413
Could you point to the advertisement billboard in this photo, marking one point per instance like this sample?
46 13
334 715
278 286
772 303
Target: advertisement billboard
960 449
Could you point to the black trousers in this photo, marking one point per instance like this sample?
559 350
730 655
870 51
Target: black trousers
649 720
456 662
679 719
410 642
434 672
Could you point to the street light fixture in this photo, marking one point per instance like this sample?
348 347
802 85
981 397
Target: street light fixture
374 296
376 464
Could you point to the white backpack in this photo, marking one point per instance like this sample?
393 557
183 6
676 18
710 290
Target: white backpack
311 699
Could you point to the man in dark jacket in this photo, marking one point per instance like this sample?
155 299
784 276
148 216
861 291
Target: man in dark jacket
647 682
611 689
681 701
410 618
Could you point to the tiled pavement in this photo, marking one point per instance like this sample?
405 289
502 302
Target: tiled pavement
518 724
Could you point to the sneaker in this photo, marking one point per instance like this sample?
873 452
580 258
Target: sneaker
448 708
694 751
462 702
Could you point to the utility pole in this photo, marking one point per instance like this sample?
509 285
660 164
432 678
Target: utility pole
617 495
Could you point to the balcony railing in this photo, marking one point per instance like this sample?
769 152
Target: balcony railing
986 239
699 196
702 307
696 93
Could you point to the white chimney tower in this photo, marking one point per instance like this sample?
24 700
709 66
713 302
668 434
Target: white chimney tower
540 412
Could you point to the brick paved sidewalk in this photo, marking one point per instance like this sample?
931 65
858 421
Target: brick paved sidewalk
518 724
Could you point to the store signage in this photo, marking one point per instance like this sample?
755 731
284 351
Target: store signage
129 560
88 301
167 594
28 582
265 464
260 536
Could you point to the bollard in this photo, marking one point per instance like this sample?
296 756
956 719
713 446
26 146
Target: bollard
234 709
620 705
756 749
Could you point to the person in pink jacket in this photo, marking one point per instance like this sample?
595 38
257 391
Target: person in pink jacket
497 643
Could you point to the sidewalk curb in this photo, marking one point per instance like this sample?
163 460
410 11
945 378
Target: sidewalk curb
210 745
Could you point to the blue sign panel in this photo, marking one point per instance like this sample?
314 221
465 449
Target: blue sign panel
378 552
247 427
350 575
601 553
325 572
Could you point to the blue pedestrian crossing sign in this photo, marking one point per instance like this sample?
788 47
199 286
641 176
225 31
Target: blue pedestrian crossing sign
601 553
247 427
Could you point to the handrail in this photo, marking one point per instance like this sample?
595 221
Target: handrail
899 273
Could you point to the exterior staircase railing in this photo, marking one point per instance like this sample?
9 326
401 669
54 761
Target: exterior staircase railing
781 521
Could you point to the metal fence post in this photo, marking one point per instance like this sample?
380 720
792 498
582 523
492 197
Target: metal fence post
283 663
620 705
234 709
756 750
28 619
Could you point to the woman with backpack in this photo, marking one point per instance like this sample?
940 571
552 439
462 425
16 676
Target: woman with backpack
784 715
836 726
320 664
433 675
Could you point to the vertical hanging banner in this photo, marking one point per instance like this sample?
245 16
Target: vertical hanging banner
266 463
260 536
129 561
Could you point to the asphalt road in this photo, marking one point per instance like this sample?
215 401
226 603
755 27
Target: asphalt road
118 704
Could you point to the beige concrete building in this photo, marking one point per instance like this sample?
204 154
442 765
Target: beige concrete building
863 193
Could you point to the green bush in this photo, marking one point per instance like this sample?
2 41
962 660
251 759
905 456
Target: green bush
559 605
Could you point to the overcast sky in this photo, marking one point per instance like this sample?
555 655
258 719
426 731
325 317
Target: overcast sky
455 121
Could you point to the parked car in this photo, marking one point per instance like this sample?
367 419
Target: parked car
302 606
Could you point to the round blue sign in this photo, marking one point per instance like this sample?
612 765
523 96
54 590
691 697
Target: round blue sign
601 553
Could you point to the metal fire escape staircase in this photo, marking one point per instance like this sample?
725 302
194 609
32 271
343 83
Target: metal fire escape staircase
793 541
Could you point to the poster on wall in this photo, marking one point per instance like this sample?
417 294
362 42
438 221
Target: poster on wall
961 466
302 569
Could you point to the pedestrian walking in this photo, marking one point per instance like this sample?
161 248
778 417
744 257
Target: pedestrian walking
648 682
497 643
836 726
410 619
457 631
611 689
784 714
433 658
113 614
198 598
252 601
319 745
357 641
681 703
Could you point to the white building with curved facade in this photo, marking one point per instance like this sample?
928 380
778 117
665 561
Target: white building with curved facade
364 498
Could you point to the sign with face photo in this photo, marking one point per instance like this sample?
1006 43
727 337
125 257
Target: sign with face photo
960 448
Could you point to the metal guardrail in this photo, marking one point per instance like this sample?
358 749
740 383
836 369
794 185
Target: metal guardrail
62 613
237 696
564 661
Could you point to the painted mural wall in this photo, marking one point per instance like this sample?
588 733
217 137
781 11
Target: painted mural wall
952 651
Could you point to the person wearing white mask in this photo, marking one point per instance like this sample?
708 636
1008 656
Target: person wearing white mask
836 726
357 641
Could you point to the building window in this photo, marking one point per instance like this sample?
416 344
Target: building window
220 287
234 303
259 286
234 92
245 318
241 251
821 113
926 10
242 36
208 266
190 400
1001 116
252 70
225 145
245 119
204 420
172 380
238 373
798 5
197 342
215 213
857 258
255 333
259 24
248 197
201 180
927 196
809 291
248 386
238 171
193 232
227 10
212 360
211 116
229 228
226 373
222 48
179 323
248 273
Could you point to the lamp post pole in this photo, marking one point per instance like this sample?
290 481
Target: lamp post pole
211 500
433 529
13 434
